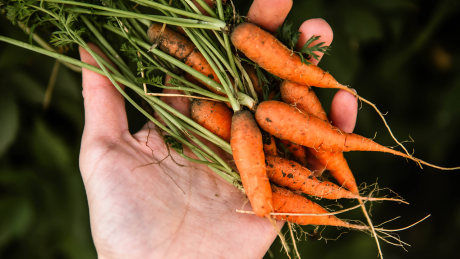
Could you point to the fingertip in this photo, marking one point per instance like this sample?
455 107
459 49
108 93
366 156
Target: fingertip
315 27
269 14
344 110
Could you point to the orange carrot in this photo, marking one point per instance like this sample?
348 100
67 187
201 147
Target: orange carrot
214 116
178 46
313 164
171 42
285 201
247 147
337 165
295 177
304 98
286 122
269 144
297 151
265 50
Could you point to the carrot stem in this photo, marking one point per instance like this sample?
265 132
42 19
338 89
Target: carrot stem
191 6
229 175
216 52
178 125
238 81
193 90
222 144
167 13
221 41
172 124
219 142
207 8
217 58
202 17
113 54
135 40
135 23
206 21
246 100
248 79
47 46
207 55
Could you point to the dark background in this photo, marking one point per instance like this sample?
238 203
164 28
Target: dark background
402 55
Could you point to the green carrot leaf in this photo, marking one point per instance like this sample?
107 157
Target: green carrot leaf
287 36
290 38
131 52
310 51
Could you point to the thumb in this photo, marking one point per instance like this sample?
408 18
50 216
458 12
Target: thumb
105 114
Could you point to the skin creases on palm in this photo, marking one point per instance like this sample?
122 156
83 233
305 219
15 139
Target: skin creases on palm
133 197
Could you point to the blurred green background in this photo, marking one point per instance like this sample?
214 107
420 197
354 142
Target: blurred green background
402 55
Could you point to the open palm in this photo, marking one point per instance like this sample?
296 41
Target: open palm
143 208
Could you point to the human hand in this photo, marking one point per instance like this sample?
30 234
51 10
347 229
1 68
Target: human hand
140 208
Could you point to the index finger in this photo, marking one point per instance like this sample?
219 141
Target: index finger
105 113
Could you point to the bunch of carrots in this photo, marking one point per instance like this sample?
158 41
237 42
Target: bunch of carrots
299 122
234 72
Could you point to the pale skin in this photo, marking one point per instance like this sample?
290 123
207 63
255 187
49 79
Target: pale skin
142 210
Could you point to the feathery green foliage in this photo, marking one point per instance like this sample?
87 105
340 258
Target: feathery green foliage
290 37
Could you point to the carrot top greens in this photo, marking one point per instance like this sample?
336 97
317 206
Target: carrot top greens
290 37
119 29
